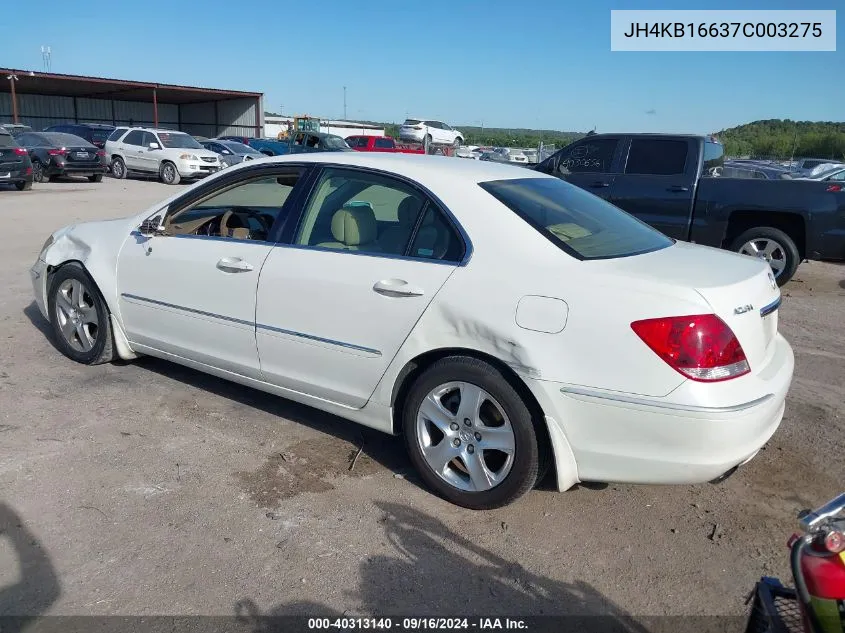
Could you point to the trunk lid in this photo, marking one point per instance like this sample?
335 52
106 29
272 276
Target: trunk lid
740 289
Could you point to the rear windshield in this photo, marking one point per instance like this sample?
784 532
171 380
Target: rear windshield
412 122
100 136
6 140
239 148
61 139
580 223
334 142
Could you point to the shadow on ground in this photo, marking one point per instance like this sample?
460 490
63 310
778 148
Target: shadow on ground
38 585
435 572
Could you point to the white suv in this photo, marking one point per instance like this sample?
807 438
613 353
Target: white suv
170 155
430 131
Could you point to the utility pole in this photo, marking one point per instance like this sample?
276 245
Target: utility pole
344 103
12 79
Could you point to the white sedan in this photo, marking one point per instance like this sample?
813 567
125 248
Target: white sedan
503 321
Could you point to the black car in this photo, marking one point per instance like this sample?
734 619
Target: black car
55 154
15 166
94 133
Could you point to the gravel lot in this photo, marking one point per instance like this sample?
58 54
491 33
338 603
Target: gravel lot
146 488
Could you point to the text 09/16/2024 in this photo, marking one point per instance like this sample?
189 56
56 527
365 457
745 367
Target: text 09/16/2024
747 30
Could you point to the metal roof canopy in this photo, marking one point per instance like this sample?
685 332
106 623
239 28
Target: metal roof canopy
54 84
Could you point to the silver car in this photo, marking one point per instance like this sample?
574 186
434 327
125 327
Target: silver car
231 152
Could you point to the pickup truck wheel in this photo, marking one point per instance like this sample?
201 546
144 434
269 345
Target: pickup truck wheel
772 245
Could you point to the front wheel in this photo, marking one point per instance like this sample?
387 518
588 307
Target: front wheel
774 247
169 174
470 435
79 316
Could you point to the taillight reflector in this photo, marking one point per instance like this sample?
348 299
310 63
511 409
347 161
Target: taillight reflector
700 347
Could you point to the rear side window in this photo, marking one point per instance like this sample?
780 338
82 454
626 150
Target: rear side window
583 225
591 156
384 143
135 137
357 141
657 157
117 133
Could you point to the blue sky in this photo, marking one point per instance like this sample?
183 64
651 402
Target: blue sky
506 63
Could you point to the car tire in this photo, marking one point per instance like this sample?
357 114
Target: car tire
118 168
24 185
37 171
778 249
79 316
457 142
498 477
168 174
95 178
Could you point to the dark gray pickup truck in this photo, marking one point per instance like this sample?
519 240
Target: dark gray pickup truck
673 183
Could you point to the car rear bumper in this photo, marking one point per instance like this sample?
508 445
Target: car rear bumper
17 173
75 170
632 439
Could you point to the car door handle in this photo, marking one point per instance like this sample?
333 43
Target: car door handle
234 265
397 288
600 183
677 189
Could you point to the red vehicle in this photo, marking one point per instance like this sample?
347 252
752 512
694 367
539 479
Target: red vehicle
363 143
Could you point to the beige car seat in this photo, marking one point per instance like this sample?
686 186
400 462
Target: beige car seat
354 229
395 237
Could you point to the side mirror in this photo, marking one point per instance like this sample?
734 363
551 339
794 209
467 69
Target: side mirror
155 146
151 226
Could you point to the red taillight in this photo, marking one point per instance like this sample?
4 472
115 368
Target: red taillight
20 151
700 347
102 152
57 152
834 542
834 188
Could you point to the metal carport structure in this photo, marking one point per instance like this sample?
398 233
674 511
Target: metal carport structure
42 99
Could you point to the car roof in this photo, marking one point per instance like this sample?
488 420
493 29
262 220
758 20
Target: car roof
424 168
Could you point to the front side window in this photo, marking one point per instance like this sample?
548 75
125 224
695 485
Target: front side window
589 156
578 222
656 157
384 143
357 211
135 137
246 210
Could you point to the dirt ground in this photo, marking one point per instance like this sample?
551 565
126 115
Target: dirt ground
146 488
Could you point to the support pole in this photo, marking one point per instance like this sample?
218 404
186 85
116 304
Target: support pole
155 108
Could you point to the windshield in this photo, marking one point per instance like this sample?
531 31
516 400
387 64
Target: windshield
334 142
178 139
580 223
240 148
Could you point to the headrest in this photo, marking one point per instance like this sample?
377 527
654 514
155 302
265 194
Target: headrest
354 226
408 211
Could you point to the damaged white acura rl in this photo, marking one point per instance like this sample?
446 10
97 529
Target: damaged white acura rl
503 321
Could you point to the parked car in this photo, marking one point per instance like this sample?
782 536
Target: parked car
485 309
383 144
231 152
317 142
16 128
836 174
169 155
238 139
15 164
428 131
56 154
94 133
668 181
270 146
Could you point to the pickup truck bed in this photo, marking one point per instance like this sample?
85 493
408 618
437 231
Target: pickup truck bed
673 183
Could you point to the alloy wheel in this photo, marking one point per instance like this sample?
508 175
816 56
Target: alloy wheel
769 250
76 314
465 436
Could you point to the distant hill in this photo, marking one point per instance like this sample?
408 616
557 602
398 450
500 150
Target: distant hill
782 138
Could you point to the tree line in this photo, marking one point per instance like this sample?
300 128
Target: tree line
783 138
